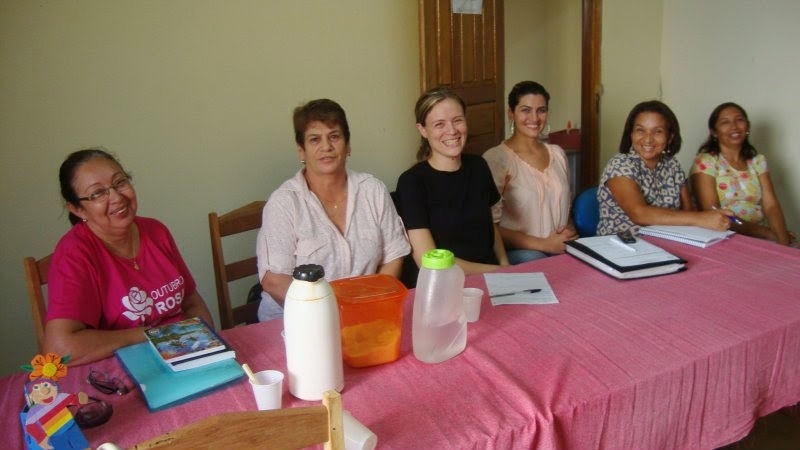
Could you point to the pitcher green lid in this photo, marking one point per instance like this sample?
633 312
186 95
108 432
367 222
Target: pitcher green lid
438 259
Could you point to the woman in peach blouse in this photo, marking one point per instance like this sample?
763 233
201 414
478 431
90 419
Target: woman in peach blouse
532 178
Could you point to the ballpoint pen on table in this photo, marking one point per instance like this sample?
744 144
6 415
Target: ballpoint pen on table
732 218
526 291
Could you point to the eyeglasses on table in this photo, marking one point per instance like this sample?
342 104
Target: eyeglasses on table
107 384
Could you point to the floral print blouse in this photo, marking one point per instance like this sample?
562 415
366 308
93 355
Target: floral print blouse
660 187
738 190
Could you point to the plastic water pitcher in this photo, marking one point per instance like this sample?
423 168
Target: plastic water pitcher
313 337
439 326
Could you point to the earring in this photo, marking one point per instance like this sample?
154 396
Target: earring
512 128
545 132
748 132
303 161
84 220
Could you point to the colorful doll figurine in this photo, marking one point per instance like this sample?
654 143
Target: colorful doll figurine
47 420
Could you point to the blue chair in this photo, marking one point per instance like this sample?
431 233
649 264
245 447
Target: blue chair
586 212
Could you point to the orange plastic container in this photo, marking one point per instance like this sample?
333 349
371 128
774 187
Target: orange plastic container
371 317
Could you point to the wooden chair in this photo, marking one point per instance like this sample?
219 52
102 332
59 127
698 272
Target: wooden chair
278 429
36 278
245 218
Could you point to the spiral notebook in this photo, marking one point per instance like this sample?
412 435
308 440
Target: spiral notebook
696 236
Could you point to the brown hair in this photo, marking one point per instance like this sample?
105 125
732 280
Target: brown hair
321 110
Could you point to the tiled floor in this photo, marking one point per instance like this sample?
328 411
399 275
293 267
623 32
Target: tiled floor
777 431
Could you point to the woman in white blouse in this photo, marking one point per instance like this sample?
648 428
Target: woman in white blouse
343 220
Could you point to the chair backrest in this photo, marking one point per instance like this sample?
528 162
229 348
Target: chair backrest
245 218
36 278
289 428
586 212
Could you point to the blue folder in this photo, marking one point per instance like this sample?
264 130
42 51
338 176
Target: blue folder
162 387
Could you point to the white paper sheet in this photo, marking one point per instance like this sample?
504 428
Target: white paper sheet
467 6
503 283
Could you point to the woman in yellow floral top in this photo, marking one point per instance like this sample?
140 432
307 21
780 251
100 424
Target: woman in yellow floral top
728 173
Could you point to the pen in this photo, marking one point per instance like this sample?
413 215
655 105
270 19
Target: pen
732 218
526 291
614 240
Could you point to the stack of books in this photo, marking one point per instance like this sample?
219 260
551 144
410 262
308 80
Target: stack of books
622 260
178 362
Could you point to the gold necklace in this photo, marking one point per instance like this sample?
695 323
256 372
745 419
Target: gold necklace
332 205
122 254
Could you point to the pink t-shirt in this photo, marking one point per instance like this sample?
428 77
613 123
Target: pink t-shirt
88 283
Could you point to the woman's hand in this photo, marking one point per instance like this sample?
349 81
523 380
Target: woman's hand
555 243
717 219
83 344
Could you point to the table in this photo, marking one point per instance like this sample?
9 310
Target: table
687 360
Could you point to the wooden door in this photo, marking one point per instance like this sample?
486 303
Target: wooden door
465 53
591 91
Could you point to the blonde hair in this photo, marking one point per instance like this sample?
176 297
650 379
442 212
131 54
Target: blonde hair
425 104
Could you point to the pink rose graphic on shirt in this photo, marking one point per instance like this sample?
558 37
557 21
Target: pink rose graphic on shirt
139 305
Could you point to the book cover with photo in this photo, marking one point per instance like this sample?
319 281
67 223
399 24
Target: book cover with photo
187 344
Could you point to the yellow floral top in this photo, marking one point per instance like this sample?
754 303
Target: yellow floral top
738 190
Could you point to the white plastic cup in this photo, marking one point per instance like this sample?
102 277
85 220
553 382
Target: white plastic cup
269 389
472 303
356 435
109 446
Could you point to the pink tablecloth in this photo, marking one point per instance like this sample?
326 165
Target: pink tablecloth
688 360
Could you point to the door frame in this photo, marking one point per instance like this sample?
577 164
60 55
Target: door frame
591 91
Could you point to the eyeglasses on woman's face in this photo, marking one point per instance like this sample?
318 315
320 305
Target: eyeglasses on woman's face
121 185
106 384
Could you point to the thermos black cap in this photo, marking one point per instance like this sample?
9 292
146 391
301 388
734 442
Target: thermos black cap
308 272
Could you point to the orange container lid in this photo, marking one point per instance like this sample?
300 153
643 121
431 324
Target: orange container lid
368 288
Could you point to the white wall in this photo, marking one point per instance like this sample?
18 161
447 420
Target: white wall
195 96
543 43
694 55
742 51
630 65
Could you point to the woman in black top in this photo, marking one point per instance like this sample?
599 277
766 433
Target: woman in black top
445 199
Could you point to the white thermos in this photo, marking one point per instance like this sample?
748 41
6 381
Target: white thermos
313 337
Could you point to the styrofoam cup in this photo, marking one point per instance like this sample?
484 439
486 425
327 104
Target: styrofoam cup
356 435
472 303
269 390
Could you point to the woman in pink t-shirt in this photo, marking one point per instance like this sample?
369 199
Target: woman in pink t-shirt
112 274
